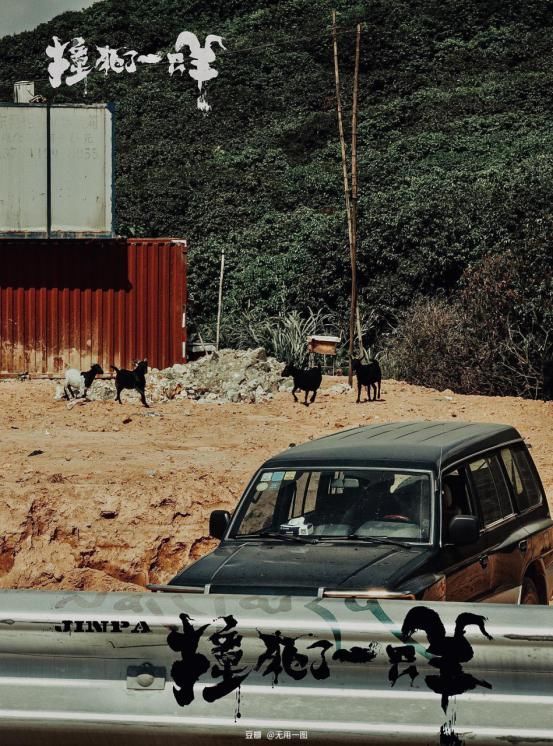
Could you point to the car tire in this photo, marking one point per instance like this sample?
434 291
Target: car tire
529 593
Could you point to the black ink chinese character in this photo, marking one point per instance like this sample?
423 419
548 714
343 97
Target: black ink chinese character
187 671
227 653
401 654
293 662
449 652
321 671
356 654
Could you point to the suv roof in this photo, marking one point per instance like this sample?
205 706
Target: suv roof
412 444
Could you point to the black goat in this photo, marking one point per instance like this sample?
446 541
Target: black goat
548 379
306 380
368 375
131 379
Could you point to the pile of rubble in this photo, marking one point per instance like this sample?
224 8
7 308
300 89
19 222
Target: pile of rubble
223 376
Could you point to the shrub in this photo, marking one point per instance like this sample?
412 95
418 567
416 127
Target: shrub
283 336
431 347
483 339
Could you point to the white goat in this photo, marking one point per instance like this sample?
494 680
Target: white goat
81 382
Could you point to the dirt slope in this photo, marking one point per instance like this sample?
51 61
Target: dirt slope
121 495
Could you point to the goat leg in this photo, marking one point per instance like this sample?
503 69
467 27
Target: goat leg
379 390
294 393
313 397
143 398
359 387
306 402
118 396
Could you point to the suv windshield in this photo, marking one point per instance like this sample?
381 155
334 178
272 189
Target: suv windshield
338 503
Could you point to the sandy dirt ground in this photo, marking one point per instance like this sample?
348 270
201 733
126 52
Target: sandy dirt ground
117 496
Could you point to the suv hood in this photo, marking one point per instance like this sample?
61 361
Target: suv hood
301 569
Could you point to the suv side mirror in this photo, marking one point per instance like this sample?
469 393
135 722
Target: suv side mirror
464 529
218 523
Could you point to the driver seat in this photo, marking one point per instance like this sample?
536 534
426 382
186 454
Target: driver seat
370 508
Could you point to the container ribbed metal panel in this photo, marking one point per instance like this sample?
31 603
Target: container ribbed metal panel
76 302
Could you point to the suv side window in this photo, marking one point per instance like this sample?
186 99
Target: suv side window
491 489
521 476
455 497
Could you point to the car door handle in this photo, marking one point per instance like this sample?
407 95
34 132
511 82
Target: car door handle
484 560
523 545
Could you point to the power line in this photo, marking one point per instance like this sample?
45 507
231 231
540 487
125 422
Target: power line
298 39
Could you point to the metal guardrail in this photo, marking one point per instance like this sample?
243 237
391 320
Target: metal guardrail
113 668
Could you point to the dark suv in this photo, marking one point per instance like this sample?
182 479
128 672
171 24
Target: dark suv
425 510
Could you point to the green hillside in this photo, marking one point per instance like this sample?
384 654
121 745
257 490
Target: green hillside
455 147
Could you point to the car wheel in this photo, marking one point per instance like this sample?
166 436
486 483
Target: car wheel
529 594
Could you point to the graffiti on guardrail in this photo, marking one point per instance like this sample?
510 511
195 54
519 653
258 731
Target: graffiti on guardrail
447 652
282 656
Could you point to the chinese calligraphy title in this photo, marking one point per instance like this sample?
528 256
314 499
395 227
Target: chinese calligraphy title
281 655
70 61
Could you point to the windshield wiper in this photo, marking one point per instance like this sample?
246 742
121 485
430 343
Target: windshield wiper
378 540
267 533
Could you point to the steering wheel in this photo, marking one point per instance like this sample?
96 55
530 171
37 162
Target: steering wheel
396 517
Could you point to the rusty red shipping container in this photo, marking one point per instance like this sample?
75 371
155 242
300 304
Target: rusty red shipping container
71 303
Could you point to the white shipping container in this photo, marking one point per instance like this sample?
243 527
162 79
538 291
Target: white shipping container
77 202
81 170
23 165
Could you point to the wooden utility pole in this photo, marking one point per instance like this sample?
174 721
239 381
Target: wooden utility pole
350 197
219 307
353 200
341 124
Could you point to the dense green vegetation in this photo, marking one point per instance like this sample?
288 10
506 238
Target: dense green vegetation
455 150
